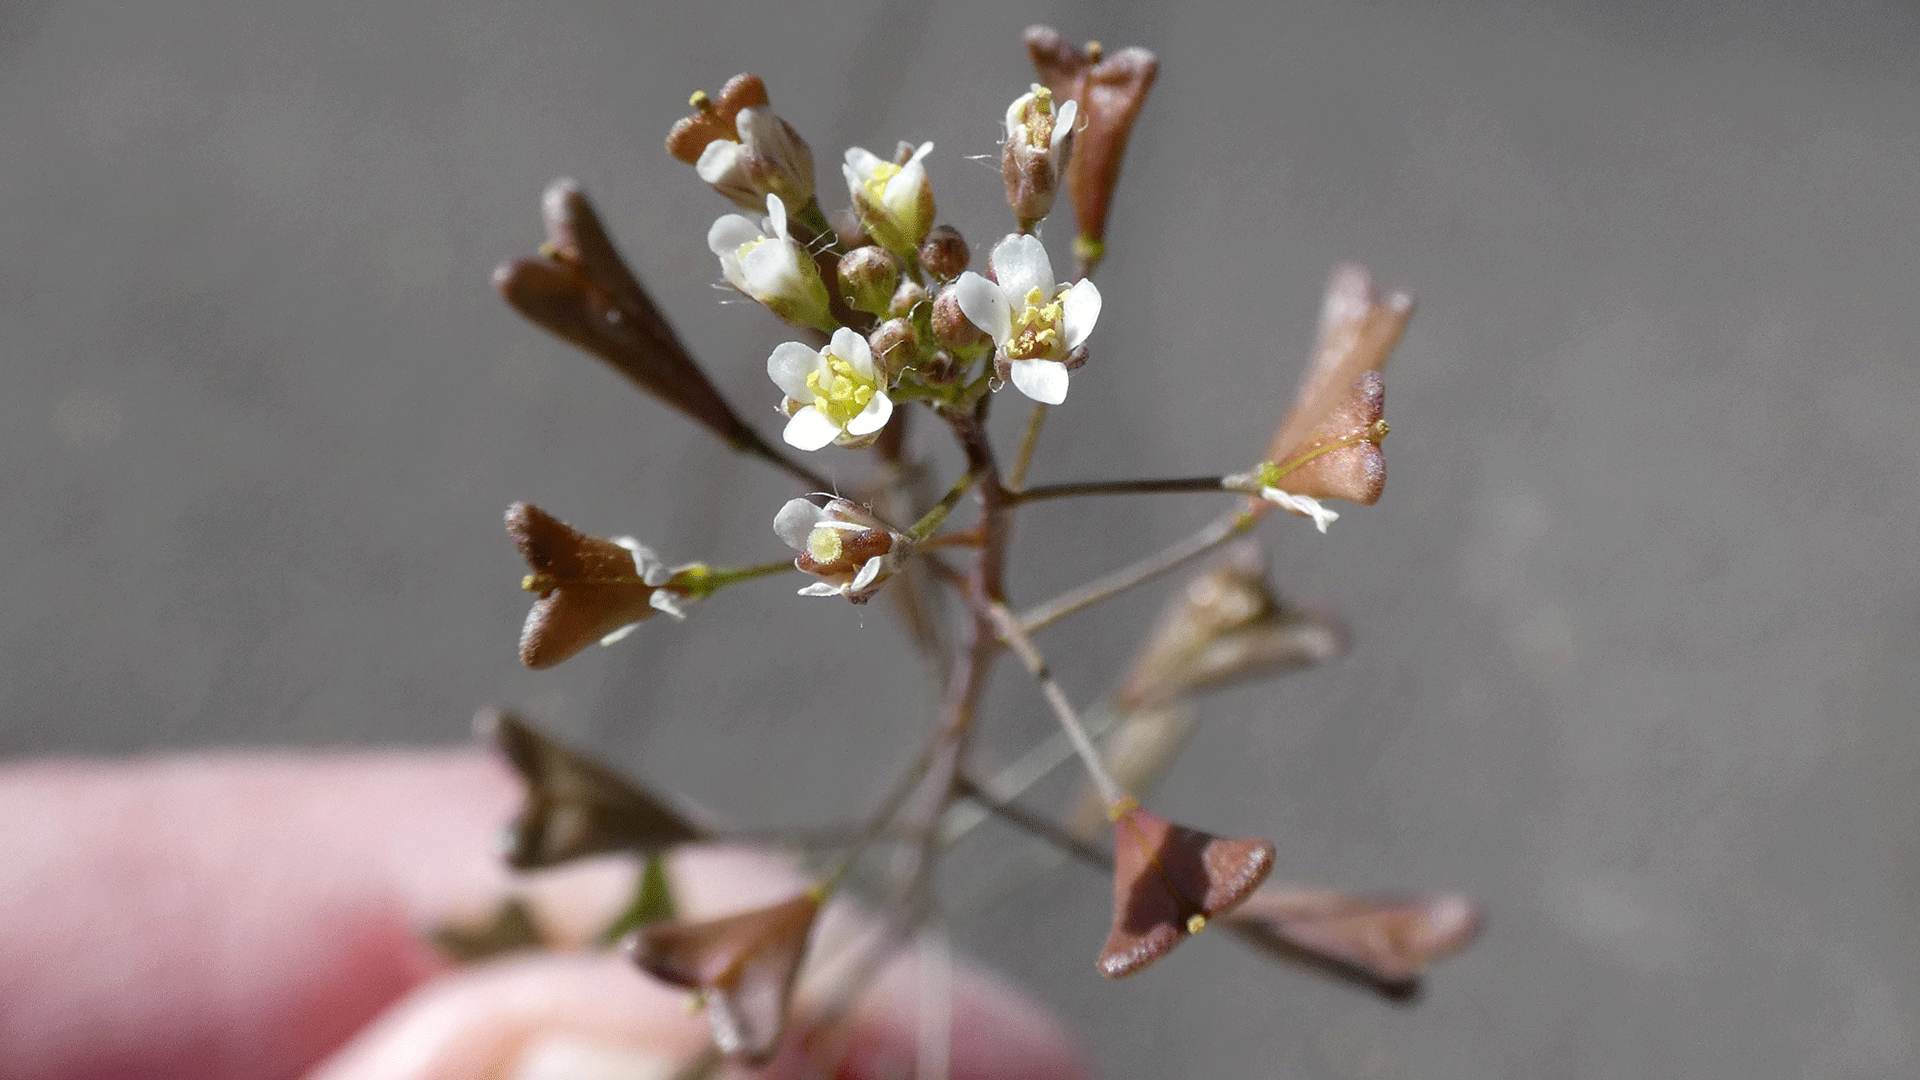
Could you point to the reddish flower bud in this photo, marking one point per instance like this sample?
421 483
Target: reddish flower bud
944 253
953 330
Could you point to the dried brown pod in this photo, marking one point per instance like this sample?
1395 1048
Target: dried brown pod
581 291
1168 881
1328 444
743 965
590 588
1225 625
1389 939
575 806
1110 90
713 119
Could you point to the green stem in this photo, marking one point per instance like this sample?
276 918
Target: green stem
1119 487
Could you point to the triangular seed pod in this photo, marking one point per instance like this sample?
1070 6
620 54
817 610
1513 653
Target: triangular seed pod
1390 939
744 965
588 587
575 806
1168 881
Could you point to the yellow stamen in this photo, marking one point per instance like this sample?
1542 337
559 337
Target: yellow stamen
1036 328
840 391
825 545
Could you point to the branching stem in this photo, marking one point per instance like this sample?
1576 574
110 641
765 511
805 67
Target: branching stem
1215 533
1119 487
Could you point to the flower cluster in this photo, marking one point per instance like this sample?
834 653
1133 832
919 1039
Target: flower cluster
891 320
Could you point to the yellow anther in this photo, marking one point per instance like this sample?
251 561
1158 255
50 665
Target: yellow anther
1196 923
700 101
841 391
877 183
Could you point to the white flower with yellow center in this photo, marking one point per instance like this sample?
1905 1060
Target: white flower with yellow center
1034 322
895 202
765 262
834 395
852 552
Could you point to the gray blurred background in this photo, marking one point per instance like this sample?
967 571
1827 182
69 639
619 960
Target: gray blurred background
1636 625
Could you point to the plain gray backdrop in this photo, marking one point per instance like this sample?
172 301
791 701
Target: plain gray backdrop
1637 625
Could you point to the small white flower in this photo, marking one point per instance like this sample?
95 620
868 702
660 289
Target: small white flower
1039 138
765 262
835 395
851 551
895 202
770 159
1034 322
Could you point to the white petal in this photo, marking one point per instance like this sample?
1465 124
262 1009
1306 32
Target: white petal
919 155
776 216
873 417
771 269
1080 309
1063 125
820 588
1041 380
789 367
795 522
757 125
860 164
869 570
850 346
1014 110
662 600
646 565
618 634
1301 504
1020 264
853 181
719 158
985 306
810 429
730 234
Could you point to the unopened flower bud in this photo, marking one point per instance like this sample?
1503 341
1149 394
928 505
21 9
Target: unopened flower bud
765 262
894 200
769 158
852 552
1039 143
868 277
908 296
953 330
944 253
895 345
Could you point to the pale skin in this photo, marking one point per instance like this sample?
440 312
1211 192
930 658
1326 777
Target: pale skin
256 915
